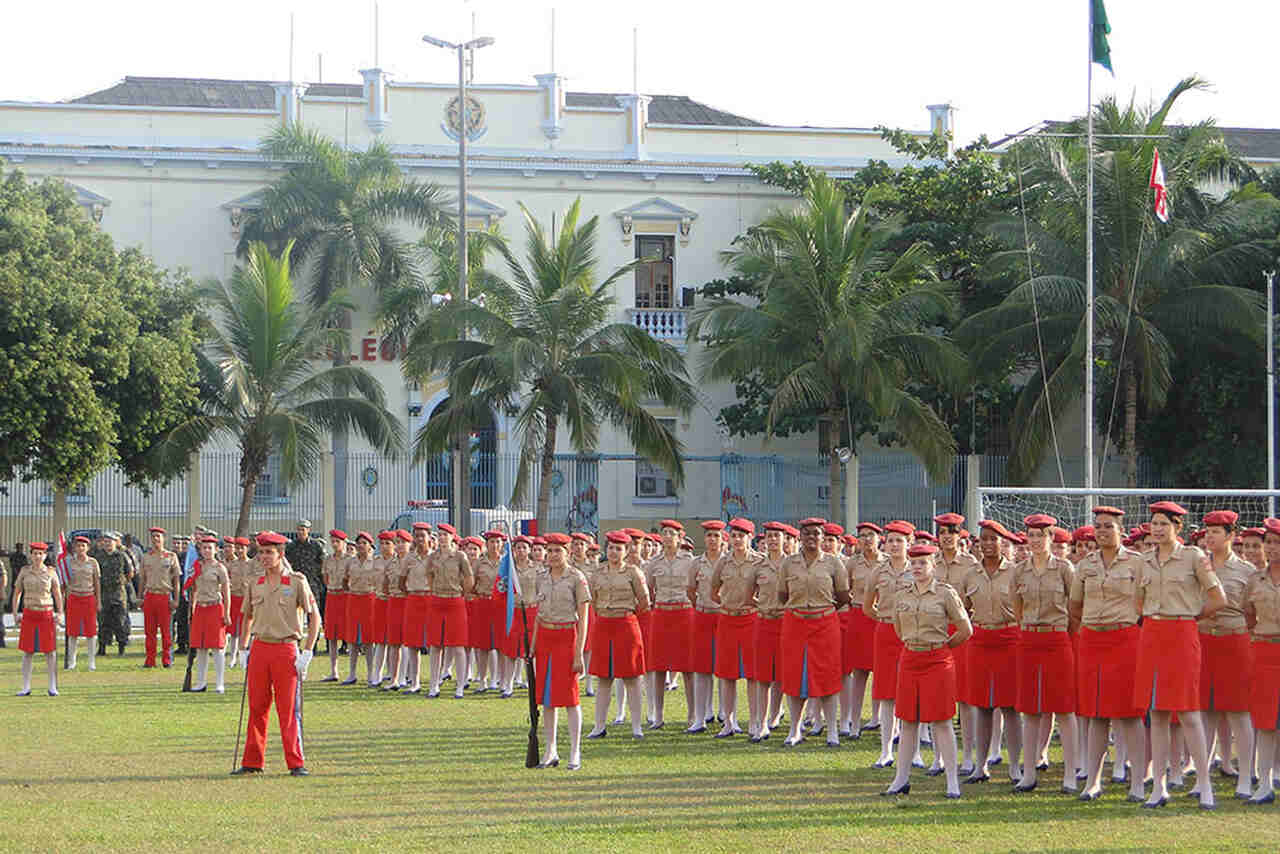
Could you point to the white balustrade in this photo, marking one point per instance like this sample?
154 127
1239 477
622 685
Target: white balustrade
665 324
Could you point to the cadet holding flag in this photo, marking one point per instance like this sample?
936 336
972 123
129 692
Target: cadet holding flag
84 592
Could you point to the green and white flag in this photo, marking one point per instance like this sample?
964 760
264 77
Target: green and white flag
1100 50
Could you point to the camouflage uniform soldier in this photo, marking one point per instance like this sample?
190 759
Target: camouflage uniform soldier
306 556
117 572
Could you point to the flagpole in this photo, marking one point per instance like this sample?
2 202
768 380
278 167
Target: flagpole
1088 273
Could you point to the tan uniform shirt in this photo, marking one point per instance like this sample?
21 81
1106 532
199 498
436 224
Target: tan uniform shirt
885 583
954 572
242 573
1176 588
363 575
385 570
417 572
450 574
396 577
278 606
988 595
1263 596
1045 593
861 570
157 570
527 576
615 593
737 582
1234 576
700 572
1108 592
669 579
812 586
36 584
921 617
486 572
559 598
333 569
83 574
767 571
207 588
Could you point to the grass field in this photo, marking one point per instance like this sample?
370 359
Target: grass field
123 761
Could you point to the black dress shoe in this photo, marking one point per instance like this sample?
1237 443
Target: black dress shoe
1028 788
245 769
976 778
552 764
300 771
200 690
601 734
1268 798
1153 805
1090 796
934 772
905 790
1133 799
1042 766
953 795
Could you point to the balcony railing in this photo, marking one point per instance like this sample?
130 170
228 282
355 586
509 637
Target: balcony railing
665 324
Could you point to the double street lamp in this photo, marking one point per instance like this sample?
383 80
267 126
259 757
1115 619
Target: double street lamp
461 453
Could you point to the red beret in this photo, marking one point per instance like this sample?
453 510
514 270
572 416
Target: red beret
921 550
447 528
473 540
38 547
386 536
746 526
1272 525
1060 535
157 531
1084 533
949 519
422 526
1253 532
594 547
80 538
1145 528
1039 520
1107 510
539 541
925 535
775 526
1018 537
713 525
870 526
271 538
652 537
621 538
557 539
964 534
401 533
364 535
578 535
494 535
831 529
671 523
1197 535
207 539
848 539
522 538
812 520
242 541
791 530
898 526
338 534
1169 508
993 525
1225 518
635 533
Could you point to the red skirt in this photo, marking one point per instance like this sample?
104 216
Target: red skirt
735 639
1168 674
1224 672
646 633
888 649
82 615
1046 674
378 625
1264 686
766 664
702 642
810 656
358 621
617 648
395 620
335 610
669 633
591 621
237 610
37 633
447 622
413 630
926 690
858 635
480 632
1104 673
553 666
208 631
960 656
513 642
991 677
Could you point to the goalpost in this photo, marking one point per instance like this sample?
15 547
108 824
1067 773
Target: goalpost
1072 506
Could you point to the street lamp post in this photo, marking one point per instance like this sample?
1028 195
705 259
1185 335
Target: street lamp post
462 448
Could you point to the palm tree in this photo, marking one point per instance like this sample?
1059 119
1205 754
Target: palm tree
271 391
1158 287
544 345
845 325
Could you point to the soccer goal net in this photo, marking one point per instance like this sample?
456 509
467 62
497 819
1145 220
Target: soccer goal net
1072 507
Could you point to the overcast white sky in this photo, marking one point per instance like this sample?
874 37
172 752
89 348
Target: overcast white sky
1003 63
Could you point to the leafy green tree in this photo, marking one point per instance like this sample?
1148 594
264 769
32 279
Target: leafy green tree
1159 288
544 344
267 355
97 347
842 322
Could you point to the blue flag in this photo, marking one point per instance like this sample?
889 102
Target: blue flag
509 583
190 558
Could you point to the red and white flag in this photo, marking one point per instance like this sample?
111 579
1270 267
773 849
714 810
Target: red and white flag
61 561
1157 183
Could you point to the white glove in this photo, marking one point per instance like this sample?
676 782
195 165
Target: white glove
244 658
303 662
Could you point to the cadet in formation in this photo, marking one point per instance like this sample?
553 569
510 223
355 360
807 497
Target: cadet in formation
37 612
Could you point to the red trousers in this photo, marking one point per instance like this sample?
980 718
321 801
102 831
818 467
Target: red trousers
155 617
273 674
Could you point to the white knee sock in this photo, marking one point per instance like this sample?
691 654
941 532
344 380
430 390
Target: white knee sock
51 664
26 672
202 669
92 646
220 668
71 655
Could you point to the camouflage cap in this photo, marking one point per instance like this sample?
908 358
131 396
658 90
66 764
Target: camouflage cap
112 535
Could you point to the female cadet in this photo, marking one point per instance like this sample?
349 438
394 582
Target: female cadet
274 612
733 588
1251 547
383 568
334 573
926 693
878 604
524 613
239 571
361 580
38 589
414 634
1040 597
210 615
953 566
1103 605
1262 613
84 593
619 595
1177 587
481 626
991 675
396 597
671 621
811 585
859 630
706 615
558 638
766 656
1224 649
451 579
